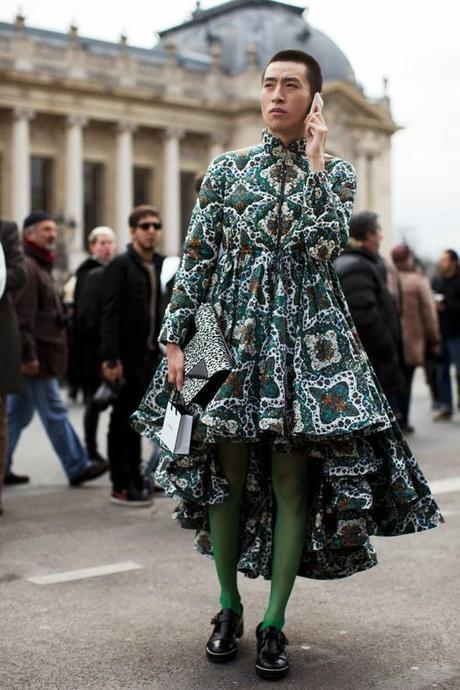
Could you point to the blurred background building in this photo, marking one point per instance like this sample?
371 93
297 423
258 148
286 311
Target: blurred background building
90 128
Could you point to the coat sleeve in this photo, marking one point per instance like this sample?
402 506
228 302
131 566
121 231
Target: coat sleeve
199 259
328 201
428 313
26 305
14 258
110 298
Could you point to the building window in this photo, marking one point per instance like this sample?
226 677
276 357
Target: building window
142 186
41 177
187 200
93 213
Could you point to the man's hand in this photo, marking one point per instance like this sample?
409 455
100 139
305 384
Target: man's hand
31 368
175 365
316 134
112 372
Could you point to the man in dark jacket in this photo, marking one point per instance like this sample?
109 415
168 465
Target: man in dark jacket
130 320
44 352
86 339
10 348
446 287
370 303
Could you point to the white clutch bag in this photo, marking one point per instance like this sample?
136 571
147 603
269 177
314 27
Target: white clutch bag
176 433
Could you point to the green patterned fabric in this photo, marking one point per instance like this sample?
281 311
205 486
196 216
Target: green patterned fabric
260 244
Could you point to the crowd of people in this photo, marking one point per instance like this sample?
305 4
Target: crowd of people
112 327
402 321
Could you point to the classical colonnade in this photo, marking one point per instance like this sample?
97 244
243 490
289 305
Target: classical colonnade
73 173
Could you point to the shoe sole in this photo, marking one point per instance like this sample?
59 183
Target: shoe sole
221 658
272 674
130 504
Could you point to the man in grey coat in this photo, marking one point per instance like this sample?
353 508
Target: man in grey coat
13 278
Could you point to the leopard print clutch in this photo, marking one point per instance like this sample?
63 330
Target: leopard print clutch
208 361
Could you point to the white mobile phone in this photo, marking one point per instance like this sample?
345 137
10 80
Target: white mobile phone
317 103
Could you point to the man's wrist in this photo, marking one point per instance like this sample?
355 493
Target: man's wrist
316 163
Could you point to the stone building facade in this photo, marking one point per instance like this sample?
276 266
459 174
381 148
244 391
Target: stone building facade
89 128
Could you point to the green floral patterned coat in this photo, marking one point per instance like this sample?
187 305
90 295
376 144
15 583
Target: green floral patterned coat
260 244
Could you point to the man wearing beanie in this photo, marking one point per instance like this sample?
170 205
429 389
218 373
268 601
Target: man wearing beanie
44 353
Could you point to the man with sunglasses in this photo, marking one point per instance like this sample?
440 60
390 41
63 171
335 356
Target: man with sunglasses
130 320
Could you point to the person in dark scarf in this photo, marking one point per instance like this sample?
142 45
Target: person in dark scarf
44 353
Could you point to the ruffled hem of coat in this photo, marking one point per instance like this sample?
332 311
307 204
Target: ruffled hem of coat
358 487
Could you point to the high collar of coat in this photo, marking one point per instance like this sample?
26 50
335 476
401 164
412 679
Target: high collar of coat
275 147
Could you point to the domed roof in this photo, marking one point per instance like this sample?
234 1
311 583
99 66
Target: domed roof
263 25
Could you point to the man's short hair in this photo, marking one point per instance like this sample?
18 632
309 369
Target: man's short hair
140 212
314 73
452 254
363 224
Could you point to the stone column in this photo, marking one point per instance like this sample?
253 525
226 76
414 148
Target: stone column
171 203
73 199
20 165
124 181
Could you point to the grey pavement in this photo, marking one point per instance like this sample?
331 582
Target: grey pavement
394 627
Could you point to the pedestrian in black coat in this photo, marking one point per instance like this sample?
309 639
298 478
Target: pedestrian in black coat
86 336
370 303
446 287
10 346
129 328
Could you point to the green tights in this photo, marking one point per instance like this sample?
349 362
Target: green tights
289 479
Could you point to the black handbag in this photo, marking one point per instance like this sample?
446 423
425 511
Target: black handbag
208 361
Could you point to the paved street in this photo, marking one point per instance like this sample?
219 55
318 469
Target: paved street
144 626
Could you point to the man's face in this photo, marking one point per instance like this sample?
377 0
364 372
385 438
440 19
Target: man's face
147 234
43 234
446 264
103 248
374 240
285 98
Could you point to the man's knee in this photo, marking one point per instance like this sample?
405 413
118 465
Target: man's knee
289 486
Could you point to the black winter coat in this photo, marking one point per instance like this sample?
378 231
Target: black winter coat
10 346
449 319
87 314
374 313
125 312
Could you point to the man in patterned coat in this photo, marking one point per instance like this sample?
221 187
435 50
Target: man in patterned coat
297 459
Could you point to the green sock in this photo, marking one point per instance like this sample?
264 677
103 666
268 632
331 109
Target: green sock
289 474
224 522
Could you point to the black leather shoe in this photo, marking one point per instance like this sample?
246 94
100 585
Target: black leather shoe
228 627
272 662
13 479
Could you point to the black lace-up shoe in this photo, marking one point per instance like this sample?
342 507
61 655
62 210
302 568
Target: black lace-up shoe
228 627
272 662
